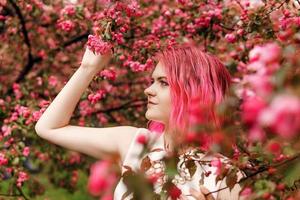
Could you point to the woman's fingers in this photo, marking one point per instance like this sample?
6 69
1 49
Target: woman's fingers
198 195
205 191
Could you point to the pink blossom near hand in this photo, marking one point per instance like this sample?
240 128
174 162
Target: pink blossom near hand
283 115
216 162
97 45
101 178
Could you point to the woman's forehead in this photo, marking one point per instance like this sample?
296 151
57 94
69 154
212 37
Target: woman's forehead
158 71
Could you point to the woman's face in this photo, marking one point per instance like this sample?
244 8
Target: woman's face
159 99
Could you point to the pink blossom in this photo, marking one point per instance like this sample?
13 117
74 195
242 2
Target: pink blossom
274 147
135 66
68 10
2 18
260 84
230 37
142 139
17 91
256 133
216 162
23 111
102 118
43 103
283 115
101 178
267 53
36 115
66 25
247 191
26 151
22 176
104 3
3 160
2 102
109 74
97 45
84 108
183 2
6 130
251 108
93 98
52 80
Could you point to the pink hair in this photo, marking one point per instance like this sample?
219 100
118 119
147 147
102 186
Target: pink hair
191 74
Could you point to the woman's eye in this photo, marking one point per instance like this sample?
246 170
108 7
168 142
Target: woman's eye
164 83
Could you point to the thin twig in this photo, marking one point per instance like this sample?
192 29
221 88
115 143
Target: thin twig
258 172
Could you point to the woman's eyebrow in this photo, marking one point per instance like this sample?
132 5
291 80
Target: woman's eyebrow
160 77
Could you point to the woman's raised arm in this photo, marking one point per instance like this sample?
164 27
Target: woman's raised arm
54 126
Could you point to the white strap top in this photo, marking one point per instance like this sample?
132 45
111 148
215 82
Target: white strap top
132 160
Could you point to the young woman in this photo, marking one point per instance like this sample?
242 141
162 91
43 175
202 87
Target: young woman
181 74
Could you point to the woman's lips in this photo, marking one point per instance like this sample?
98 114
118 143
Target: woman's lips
151 104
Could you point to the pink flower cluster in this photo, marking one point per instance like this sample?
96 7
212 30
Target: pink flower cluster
102 118
17 91
6 130
136 66
26 151
52 80
93 98
97 45
109 74
281 113
22 177
66 25
102 179
69 10
3 160
84 108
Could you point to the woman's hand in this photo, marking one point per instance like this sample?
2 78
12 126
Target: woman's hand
95 62
199 195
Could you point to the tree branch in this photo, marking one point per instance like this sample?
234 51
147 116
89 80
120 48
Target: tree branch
263 169
33 60
129 104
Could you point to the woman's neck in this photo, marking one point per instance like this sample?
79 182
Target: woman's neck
169 144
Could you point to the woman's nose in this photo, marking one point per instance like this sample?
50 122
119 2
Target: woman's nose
149 91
